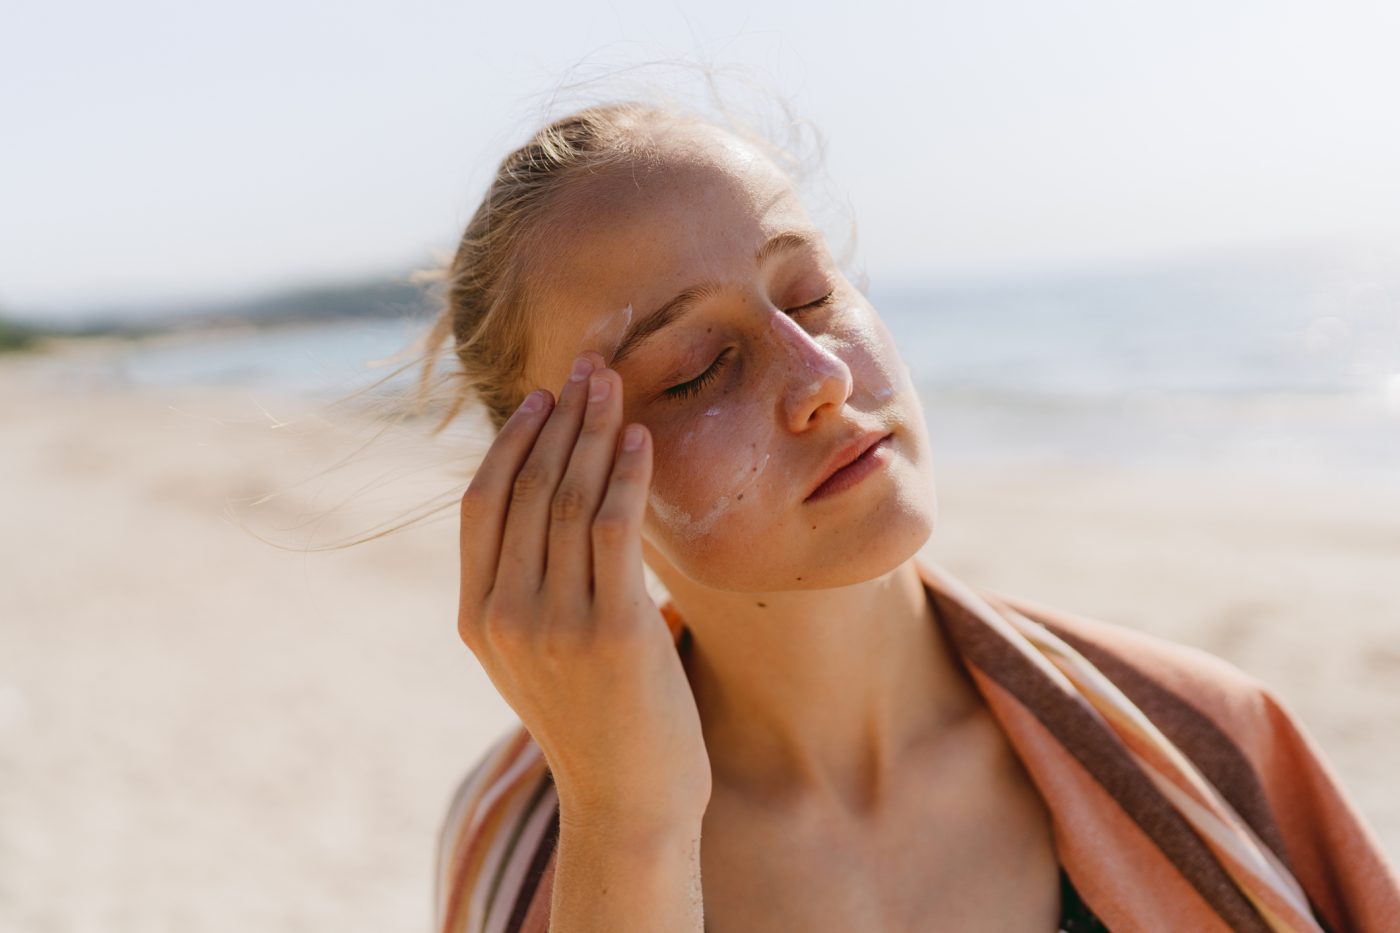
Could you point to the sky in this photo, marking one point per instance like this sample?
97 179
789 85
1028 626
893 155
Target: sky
161 151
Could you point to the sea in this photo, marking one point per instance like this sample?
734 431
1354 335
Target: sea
1274 362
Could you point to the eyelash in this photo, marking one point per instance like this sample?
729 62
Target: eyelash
697 385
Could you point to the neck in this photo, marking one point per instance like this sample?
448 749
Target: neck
821 692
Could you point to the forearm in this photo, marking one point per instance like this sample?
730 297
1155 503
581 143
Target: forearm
615 877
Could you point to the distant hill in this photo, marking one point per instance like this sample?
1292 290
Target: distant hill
15 335
315 304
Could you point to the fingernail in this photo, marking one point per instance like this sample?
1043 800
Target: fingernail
632 437
533 402
582 367
598 389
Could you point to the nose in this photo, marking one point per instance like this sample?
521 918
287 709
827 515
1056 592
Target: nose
815 380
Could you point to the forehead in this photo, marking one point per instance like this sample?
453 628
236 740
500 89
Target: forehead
640 235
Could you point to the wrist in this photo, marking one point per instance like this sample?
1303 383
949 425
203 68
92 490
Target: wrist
629 828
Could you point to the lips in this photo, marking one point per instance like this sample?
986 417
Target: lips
844 455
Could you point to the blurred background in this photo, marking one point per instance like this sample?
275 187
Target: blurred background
1143 261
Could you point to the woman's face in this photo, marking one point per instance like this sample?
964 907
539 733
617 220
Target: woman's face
749 387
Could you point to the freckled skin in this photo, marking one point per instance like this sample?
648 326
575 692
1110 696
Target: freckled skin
733 462
822 682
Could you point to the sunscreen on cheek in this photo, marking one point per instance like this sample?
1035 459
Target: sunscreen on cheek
716 436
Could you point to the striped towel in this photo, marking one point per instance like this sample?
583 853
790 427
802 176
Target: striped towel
1184 794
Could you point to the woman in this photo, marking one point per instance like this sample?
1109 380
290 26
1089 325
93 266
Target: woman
861 741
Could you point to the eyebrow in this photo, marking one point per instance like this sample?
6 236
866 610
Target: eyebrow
673 310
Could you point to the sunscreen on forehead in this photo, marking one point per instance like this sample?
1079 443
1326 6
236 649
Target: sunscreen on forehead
606 335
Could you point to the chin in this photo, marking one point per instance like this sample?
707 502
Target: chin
873 534
861 534
886 536
845 547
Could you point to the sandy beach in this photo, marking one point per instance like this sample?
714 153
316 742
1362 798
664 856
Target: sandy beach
201 731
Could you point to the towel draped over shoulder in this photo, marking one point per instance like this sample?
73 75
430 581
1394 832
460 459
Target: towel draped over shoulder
1184 794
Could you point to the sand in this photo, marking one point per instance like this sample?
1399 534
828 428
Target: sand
201 731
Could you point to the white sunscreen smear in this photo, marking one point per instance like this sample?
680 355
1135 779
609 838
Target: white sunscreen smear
608 332
686 525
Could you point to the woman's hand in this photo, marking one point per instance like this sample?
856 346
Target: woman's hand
554 606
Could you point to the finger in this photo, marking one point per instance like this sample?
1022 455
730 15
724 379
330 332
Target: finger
617 528
523 541
487 498
570 550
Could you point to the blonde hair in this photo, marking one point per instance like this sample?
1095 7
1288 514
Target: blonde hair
482 294
486 290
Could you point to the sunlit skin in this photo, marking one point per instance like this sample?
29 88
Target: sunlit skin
821 677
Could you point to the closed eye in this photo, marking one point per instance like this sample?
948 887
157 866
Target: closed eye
826 299
696 385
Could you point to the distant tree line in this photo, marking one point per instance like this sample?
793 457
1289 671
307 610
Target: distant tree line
318 304
16 335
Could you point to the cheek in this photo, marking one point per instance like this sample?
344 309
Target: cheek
713 473
869 350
